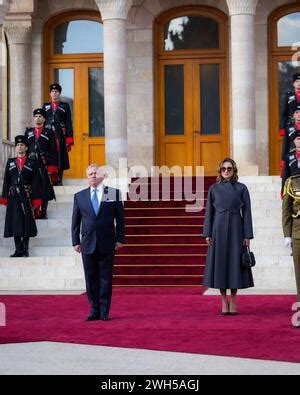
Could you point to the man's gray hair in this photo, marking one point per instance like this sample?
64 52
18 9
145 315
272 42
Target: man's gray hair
92 166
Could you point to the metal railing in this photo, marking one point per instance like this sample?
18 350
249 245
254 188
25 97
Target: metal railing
8 151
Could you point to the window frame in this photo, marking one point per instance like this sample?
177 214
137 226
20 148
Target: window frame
205 11
273 27
53 23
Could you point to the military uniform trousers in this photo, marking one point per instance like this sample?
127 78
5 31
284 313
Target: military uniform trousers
296 257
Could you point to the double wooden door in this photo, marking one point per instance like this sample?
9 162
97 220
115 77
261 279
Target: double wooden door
83 89
192 113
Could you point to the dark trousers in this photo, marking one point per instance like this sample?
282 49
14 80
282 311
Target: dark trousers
98 271
296 256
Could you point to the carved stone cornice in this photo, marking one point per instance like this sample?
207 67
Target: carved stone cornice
18 32
114 9
242 7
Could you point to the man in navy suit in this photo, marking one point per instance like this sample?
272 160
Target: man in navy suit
99 214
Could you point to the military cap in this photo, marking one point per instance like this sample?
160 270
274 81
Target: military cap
293 133
297 107
21 139
40 111
55 87
296 77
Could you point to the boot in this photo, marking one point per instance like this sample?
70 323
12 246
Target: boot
44 211
19 248
60 177
25 246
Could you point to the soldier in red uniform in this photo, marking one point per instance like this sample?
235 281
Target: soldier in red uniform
42 146
21 194
292 100
58 117
291 128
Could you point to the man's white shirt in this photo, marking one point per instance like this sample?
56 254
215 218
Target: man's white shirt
99 192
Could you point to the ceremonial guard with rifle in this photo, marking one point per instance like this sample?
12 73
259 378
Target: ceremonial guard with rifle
21 194
58 117
41 143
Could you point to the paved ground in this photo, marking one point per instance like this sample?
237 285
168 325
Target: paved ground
73 359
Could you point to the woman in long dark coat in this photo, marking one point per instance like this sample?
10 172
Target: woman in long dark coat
227 228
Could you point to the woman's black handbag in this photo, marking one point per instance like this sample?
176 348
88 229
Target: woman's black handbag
248 259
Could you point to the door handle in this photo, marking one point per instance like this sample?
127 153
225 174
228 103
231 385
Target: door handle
84 135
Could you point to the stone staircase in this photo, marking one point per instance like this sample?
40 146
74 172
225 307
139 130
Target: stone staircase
53 265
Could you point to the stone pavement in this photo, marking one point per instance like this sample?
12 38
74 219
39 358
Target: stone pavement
73 359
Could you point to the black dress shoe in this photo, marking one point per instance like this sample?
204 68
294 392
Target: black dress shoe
104 317
93 317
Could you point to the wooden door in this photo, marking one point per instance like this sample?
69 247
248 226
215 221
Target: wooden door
210 114
192 95
193 113
175 114
83 89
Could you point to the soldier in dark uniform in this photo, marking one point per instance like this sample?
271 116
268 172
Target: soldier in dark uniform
42 146
291 223
58 117
21 194
291 100
292 160
291 128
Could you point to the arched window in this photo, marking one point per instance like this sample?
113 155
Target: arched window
191 32
78 37
288 30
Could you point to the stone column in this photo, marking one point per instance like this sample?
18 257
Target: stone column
19 39
242 13
114 14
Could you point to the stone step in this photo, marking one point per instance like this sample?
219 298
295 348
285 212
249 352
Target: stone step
39 251
41 241
66 273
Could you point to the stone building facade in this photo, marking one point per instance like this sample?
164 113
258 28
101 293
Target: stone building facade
255 40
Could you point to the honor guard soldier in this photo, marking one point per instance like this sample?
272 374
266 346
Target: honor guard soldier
291 128
292 99
291 223
292 160
21 194
58 117
41 143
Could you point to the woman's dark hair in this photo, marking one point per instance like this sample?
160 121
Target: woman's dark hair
235 176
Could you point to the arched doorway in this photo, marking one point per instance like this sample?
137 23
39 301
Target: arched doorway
74 58
192 100
284 61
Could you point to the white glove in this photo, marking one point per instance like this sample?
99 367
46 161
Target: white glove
288 242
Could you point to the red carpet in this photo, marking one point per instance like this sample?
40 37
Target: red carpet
167 319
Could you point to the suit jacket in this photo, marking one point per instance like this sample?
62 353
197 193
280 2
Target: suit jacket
99 231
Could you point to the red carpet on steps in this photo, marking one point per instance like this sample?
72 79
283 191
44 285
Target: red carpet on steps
163 242
167 319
